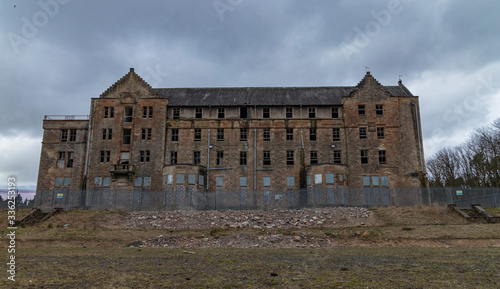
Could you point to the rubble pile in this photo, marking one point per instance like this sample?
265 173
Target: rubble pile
272 219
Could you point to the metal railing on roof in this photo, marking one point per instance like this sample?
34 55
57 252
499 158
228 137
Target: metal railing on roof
66 117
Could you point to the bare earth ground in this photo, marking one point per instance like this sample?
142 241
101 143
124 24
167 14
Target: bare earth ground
407 247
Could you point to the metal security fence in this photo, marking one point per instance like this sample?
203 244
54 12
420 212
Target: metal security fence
186 198
465 197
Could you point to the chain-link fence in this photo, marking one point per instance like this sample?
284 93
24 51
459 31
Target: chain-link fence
465 197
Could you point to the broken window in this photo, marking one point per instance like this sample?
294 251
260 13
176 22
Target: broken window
105 156
147 112
127 136
69 160
289 112
64 135
197 134
243 112
220 158
361 110
144 156
337 158
289 158
146 133
196 158
177 113
109 112
124 158
335 112
312 112
266 158
61 159
128 116
173 158
381 157
380 133
72 135
314 157
362 132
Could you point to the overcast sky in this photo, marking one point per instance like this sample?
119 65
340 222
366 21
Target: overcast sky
57 54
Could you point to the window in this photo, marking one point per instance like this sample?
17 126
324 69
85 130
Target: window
196 158
144 156
69 160
336 134
361 110
128 114
362 132
289 112
243 181
289 134
198 113
381 157
219 181
177 113
329 178
312 134
314 157
72 135
289 158
173 158
312 112
219 161
61 159
107 133
337 157
109 111
364 156
290 181
243 134
220 112
379 109
380 133
220 134
243 158
127 136
266 112
197 134
64 135
243 112
105 156
124 157
266 158
267 134
175 134
266 181
147 112
318 179
146 134
335 112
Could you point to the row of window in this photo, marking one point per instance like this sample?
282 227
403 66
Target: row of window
379 110
144 156
363 132
147 112
266 112
266 134
266 158
382 159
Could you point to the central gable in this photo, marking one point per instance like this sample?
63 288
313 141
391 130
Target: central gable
130 87
369 89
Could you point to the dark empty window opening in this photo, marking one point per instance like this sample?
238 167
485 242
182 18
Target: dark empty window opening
267 134
266 112
312 112
196 158
147 112
199 112
361 110
220 134
64 135
61 159
105 156
176 113
243 158
243 112
145 156
364 156
69 161
146 133
173 158
381 157
109 111
335 112
312 134
175 134
266 158
289 134
289 112
362 132
127 136
221 112
337 158
128 116
219 161
336 134
197 134
380 133
72 135
314 157
243 134
289 158
379 109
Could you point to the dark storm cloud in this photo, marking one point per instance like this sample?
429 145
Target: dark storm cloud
57 54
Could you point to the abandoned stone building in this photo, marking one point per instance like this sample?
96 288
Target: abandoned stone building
182 143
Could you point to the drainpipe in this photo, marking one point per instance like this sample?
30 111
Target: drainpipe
418 135
208 160
255 159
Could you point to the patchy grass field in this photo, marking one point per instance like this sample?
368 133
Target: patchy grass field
418 247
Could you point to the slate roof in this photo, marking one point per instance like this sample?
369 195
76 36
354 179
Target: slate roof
264 96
